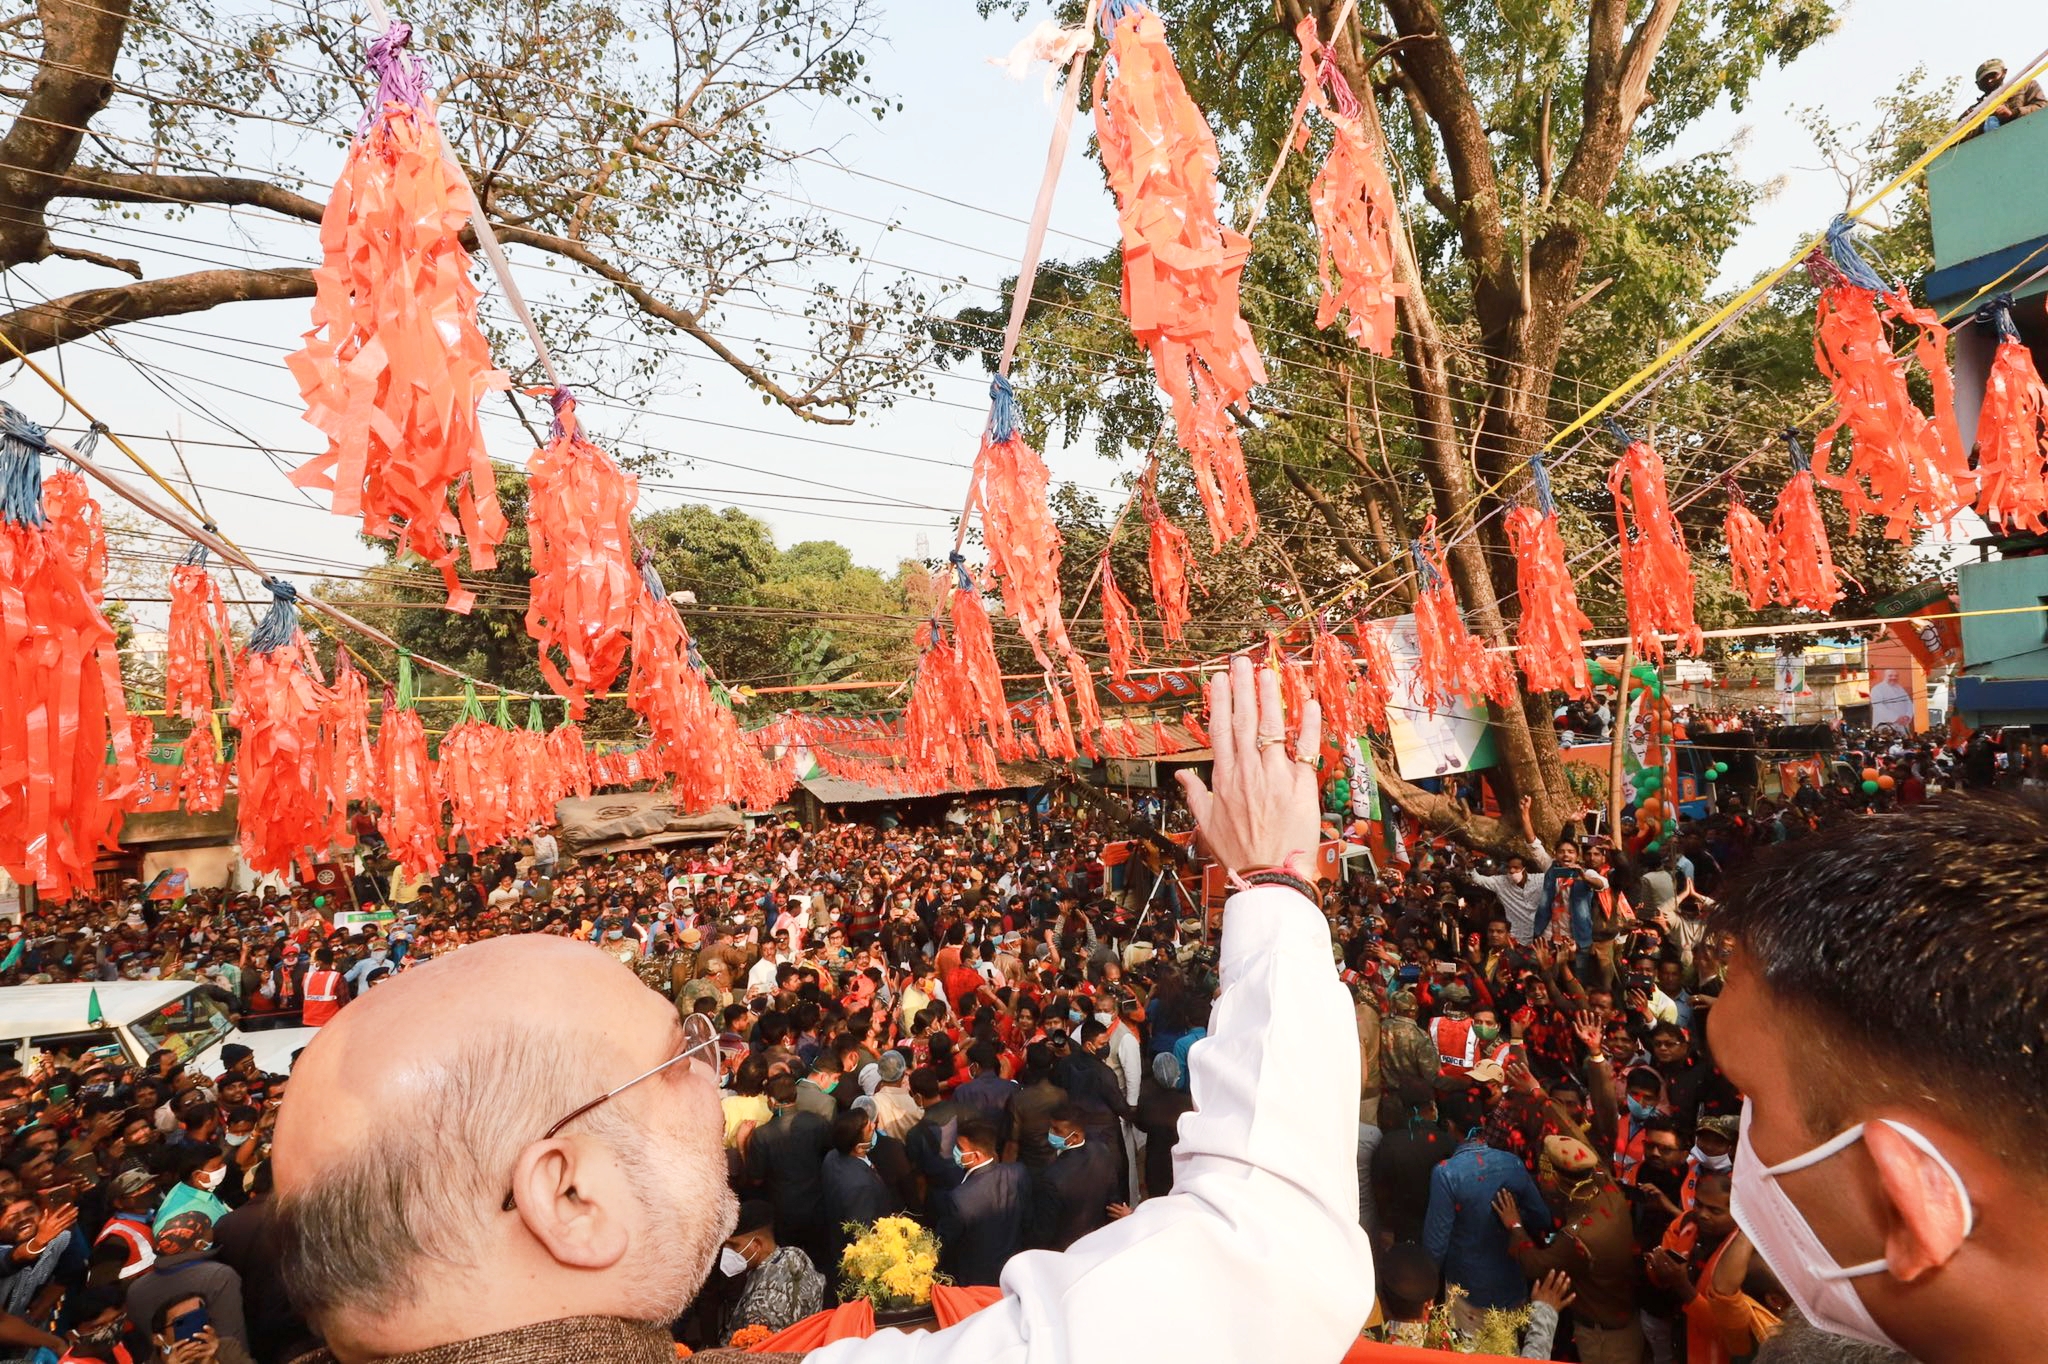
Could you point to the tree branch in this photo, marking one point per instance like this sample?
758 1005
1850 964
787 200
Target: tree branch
72 83
1328 509
1443 814
85 182
73 316
78 253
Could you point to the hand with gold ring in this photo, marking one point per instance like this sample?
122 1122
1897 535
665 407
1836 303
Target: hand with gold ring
1261 811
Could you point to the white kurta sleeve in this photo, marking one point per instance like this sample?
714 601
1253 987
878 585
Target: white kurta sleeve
1257 1253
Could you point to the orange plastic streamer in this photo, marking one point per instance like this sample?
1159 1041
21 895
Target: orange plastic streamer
1353 207
1749 550
408 791
570 758
1167 559
475 775
1451 661
1181 265
196 675
580 519
2012 442
1009 486
974 643
1656 573
1549 636
286 812
1902 465
1375 676
1120 626
61 701
395 365
345 728
1803 568
202 776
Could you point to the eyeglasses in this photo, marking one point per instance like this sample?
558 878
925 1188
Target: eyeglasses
698 1036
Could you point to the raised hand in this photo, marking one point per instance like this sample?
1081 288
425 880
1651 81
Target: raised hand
1262 810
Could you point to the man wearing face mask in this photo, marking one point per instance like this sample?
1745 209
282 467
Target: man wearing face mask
200 1170
781 1286
1071 1196
982 1222
1520 894
1889 1166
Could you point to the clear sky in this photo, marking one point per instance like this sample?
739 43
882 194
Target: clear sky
969 147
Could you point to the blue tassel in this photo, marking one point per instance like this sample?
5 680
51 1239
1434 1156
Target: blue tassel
650 577
1115 11
1618 431
1425 571
959 562
1997 313
22 446
1003 416
1801 461
1539 478
1842 250
280 624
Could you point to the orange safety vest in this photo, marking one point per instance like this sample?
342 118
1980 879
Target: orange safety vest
323 997
1457 1044
141 1245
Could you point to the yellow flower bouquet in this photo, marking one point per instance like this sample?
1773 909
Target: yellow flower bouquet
892 1264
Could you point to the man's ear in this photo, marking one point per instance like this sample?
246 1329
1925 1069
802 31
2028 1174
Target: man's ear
574 1226
1926 1216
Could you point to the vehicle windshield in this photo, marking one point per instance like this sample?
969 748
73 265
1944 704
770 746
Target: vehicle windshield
186 1026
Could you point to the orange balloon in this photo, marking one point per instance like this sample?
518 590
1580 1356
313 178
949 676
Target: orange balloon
1885 782
1651 805
1870 774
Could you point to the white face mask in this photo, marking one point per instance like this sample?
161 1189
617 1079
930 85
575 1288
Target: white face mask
1715 1164
1822 1288
211 1179
731 1263
235 1139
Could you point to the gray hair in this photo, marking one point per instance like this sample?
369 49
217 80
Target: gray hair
426 1184
1799 1341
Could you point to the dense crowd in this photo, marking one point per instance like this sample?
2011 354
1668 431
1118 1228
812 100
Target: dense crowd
984 1023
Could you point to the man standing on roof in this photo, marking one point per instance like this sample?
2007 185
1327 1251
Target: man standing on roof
2028 99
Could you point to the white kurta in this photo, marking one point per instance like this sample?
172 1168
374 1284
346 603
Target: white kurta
1257 1254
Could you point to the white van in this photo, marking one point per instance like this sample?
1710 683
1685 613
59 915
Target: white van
137 1018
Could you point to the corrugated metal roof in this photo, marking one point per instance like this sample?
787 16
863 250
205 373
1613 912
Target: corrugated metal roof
839 791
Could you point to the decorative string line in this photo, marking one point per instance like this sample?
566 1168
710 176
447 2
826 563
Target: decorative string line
1034 246
232 554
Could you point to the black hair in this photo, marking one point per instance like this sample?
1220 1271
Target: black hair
1953 899
849 1129
756 1214
781 1089
1407 1281
925 1083
982 1132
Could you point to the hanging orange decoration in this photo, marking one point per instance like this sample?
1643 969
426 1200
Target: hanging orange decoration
202 776
1749 548
475 775
1009 488
60 801
1120 626
1333 676
1181 265
286 812
570 758
196 675
1803 571
974 642
1450 659
1656 573
1353 207
1550 635
2012 432
407 788
1375 676
1167 560
395 365
1087 711
345 729
579 517
1902 465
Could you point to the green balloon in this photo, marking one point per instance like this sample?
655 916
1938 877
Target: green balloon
1653 845
1870 788
319 902
1670 827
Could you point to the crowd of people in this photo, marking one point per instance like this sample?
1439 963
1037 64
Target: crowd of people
978 1024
